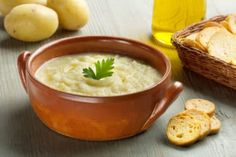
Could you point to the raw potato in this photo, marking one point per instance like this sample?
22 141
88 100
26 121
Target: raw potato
31 22
7 5
73 14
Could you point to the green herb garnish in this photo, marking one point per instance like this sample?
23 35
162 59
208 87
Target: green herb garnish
103 69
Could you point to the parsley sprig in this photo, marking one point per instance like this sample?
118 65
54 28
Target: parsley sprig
103 69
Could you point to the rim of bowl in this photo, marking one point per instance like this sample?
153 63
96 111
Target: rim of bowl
111 38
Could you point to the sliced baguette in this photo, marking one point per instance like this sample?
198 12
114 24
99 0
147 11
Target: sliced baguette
205 35
183 130
233 62
192 42
222 45
215 125
213 24
225 25
192 36
203 119
231 20
201 105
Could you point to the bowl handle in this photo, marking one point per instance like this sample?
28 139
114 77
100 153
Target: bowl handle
21 64
170 95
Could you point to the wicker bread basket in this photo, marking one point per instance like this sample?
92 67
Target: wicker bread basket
201 62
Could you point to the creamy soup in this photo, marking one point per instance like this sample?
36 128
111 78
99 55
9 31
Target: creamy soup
66 74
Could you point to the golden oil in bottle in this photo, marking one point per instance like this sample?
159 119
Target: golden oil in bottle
170 16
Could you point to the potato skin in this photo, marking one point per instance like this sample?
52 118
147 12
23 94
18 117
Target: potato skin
31 22
73 14
7 5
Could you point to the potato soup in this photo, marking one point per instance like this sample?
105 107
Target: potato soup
66 74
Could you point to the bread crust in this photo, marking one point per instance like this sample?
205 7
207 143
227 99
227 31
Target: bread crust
205 35
191 41
203 119
201 105
213 24
183 130
222 46
215 125
231 20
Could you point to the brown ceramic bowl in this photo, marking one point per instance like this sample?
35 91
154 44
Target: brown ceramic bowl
98 118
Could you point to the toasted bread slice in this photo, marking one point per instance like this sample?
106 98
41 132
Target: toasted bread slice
213 24
233 62
183 130
231 19
222 45
202 118
192 42
215 125
193 36
201 105
205 35
225 25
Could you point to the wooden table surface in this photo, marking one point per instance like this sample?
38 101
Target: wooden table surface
23 135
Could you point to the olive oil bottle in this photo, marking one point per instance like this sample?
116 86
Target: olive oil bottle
170 16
